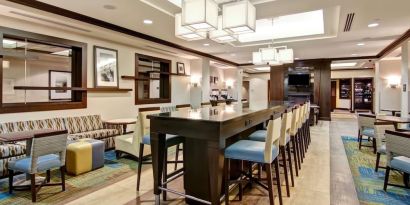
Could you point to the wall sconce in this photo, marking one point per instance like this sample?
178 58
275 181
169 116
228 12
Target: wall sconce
393 81
6 64
195 80
229 83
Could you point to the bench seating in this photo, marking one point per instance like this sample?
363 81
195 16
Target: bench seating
90 126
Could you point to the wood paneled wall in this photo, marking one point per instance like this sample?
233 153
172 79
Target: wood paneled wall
277 82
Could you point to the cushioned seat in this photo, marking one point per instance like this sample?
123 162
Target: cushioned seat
382 149
95 134
84 155
401 163
260 135
170 139
368 132
249 150
44 163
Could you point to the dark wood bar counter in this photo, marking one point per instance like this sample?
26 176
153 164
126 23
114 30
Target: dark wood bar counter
206 131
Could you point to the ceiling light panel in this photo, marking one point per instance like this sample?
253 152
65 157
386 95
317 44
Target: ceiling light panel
342 65
239 17
200 15
184 33
294 25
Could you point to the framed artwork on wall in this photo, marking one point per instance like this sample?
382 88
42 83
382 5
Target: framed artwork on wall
180 68
105 67
57 78
8 86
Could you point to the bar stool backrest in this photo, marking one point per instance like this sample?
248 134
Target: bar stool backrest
286 126
380 130
300 116
307 108
294 126
397 144
144 123
365 121
272 138
48 144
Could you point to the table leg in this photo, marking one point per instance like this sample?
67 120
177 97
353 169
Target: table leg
215 168
158 151
124 128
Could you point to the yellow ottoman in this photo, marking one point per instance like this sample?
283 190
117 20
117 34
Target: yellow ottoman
84 155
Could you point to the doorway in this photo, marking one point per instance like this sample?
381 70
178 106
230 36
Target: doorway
333 95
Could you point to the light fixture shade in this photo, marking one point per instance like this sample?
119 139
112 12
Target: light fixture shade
200 15
257 58
186 34
269 54
286 55
239 17
220 35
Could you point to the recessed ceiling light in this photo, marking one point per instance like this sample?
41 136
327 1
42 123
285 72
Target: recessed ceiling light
360 44
354 54
109 7
148 21
339 65
371 25
206 44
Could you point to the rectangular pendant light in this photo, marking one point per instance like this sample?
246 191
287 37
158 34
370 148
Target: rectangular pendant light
220 35
257 58
200 15
286 55
186 34
268 54
239 17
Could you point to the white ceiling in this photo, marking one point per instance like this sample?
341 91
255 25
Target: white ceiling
393 16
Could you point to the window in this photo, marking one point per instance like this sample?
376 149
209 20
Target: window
40 72
153 84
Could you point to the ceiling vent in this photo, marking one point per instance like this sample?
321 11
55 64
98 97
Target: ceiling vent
349 22
49 21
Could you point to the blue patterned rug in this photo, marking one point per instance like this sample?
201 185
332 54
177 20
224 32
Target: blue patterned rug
369 184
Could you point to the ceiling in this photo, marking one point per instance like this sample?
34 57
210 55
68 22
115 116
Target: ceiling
393 17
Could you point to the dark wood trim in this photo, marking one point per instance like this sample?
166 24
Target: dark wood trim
109 89
48 88
183 105
79 74
145 109
245 64
206 103
325 118
340 108
383 123
401 134
97 22
394 44
95 66
50 133
367 115
350 69
353 58
175 74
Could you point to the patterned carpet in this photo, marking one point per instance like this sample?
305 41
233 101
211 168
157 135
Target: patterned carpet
369 184
113 171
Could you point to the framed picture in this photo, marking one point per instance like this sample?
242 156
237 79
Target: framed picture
105 67
8 86
57 78
180 68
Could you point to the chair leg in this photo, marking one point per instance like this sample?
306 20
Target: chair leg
374 146
406 178
250 173
386 178
295 155
226 174
140 165
290 165
117 154
360 141
48 176
33 187
377 162
358 136
276 161
270 183
62 173
176 158
11 175
240 184
165 173
285 168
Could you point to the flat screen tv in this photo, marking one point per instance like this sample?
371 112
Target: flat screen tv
299 79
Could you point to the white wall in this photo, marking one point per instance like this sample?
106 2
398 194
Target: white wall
106 104
341 103
367 73
390 98
258 93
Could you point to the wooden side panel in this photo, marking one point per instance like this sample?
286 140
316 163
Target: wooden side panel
276 86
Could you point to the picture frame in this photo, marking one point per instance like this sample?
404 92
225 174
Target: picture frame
105 68
8 86
59 78
180 68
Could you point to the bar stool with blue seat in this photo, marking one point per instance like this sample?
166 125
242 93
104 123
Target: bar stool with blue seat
48 151
143 131
366 128
259 152
260 135
295 139
398 156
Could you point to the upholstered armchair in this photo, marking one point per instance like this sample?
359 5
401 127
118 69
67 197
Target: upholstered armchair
379 134
366 128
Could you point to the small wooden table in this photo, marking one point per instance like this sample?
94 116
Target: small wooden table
124 122
396 121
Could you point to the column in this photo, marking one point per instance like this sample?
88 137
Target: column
205 84
405 80
377 86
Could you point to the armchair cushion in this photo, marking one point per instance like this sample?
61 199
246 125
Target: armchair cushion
170 139
368 132
401 163
12 150
258 135
382 149
95 134
44 163
83 123
250 151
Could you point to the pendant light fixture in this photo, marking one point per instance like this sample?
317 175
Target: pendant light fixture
200 15
239 17
185 33
220 35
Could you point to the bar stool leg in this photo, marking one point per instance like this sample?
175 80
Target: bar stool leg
290 165
226 173
377 162
295 154
276 161
285 168
140 165
165 173
176 158
269 181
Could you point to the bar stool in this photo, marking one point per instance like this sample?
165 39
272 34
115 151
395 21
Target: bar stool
260 135
295 139
256 152
300 134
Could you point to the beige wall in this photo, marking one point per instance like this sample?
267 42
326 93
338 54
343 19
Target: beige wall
106 104
352 73
390 98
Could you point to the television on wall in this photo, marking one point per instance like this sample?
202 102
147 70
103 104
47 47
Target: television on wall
299 79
